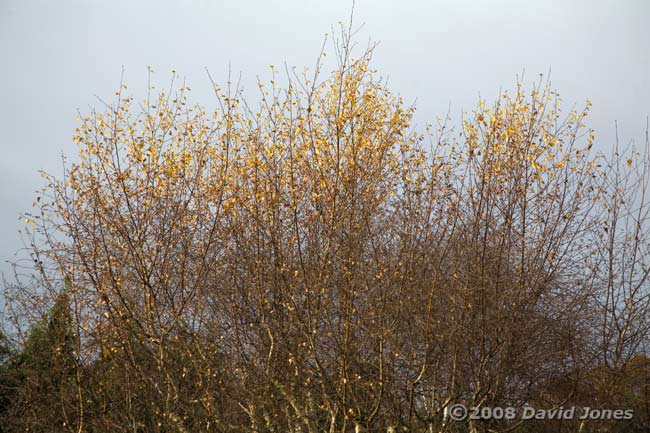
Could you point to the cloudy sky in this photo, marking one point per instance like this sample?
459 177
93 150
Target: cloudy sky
56 57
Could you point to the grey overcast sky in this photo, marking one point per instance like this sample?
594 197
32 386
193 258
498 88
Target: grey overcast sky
55 56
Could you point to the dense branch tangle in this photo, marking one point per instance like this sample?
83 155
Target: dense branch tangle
317 265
